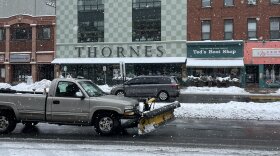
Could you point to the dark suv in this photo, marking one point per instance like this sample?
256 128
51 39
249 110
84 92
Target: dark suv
162 87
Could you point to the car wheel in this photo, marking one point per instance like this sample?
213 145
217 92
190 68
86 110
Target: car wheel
120 93
107 124
7 123
30 123
163 96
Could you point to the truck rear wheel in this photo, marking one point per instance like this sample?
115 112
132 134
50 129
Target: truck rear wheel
107 123
7 122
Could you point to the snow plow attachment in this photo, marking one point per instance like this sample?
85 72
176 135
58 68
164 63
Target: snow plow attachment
151 120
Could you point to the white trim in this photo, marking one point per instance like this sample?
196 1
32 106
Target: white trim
195 62
44 52
130 60
2 52
23 52
33 25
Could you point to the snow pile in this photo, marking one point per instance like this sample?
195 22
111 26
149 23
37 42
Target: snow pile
214 90
231 110
37 86
105 88
5 85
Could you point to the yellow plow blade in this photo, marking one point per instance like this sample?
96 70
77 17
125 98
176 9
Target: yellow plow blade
154 119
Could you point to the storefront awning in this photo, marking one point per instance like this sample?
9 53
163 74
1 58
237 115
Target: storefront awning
212 63
131 60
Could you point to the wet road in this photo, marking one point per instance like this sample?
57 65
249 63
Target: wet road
181 132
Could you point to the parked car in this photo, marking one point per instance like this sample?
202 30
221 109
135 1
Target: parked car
162 87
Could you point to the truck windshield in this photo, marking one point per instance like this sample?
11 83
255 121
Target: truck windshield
91 89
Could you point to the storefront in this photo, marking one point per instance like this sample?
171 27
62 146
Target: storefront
110 63
215 63
262 63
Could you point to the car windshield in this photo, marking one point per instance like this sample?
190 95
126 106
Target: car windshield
91 89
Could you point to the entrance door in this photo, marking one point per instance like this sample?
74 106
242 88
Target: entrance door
252 75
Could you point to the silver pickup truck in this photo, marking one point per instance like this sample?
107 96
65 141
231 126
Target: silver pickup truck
77 102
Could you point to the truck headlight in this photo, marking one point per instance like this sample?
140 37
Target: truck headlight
129 110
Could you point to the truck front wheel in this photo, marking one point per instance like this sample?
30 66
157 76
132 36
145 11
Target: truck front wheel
107 123
7 123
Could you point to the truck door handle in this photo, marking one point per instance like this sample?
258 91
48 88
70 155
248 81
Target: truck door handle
56 102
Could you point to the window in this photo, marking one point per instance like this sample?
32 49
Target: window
228 3
146 19
206 30
20 33
228 29
66 89
252 28
44 33
275 28
275 1
206 3
2 34
252 2
90 21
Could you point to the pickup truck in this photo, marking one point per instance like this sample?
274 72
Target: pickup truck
79 102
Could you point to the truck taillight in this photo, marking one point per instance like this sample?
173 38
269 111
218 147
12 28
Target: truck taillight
176 86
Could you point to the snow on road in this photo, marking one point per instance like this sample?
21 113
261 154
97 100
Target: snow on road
56 149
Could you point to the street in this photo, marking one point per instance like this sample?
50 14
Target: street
234 134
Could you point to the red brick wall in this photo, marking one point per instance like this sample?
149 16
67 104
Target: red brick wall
46 45
239 13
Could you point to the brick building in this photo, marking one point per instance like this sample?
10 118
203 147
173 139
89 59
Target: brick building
255 22
26 40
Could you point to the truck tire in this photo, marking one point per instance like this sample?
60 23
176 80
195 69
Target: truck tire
107 123
120 93
7 122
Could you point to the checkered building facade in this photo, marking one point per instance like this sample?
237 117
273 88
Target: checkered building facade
118 27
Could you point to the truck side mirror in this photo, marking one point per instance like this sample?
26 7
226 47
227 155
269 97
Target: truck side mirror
80 95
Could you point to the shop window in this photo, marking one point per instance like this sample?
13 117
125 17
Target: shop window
206 30
206 3
2 34
20 33
228 29
44 33
228 2
146 20
21 72
275 1
252 28
252 2
275 28
90 21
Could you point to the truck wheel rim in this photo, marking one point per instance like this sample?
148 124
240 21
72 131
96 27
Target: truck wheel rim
120 93
106 124
4 123
163 96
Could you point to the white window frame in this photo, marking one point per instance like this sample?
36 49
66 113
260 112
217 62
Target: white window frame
228 29
228 4
252 2
206 3
205 29
252 28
